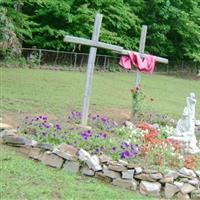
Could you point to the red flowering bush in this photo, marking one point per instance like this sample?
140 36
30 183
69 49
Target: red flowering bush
158 150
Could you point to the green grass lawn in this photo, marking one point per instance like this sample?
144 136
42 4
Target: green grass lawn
29 91
21 178
32 92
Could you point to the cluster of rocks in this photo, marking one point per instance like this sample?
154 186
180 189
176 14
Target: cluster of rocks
182 184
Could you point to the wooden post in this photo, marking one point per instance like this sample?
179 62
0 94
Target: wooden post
90 69
141 50
138 73
40 56
75 59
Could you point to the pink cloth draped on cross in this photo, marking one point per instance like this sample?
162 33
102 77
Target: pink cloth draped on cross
145 65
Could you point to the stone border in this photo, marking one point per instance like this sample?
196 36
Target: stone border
182 184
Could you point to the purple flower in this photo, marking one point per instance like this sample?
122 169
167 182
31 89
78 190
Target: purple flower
43 133
122 155
84 135
45 118
46 125
58 127
126 153
114 148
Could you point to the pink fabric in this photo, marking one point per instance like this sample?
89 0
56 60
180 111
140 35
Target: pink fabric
145 65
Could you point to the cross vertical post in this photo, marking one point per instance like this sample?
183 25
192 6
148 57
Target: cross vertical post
141 50
138 73
90 69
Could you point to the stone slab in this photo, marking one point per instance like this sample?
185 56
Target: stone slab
71 166
52 160
127 184
150 188
102 177
87 172
170 190
36 153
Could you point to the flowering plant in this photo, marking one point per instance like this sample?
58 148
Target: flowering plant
138 98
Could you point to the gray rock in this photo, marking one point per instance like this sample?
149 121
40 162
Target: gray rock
93 163
194 182
104 159
188 173
87 172
127 184
64 155
184 180
25 150
117 167
171 173
110 173
52 160
170 190
156 176
123 162
138 170
149 188
45 146
71 166
128 174
181 196
36 153
144 177
131 166
179 184
168 179
69 149
102 177
150 171
8 132
187 188
83 155
16 140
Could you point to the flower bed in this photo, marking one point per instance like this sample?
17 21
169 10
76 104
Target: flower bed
146 144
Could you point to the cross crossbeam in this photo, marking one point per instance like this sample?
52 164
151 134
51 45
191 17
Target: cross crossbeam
92 43
103 45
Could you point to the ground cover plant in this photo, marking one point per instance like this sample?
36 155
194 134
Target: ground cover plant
146 145
21 179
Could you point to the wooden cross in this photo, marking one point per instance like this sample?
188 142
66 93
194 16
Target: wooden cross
94 44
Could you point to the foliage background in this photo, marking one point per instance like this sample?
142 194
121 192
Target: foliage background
173 26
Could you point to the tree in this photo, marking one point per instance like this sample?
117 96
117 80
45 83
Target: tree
173 28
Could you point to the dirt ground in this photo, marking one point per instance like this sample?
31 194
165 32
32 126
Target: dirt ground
117 114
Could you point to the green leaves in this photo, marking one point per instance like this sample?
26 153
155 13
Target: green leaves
173 26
